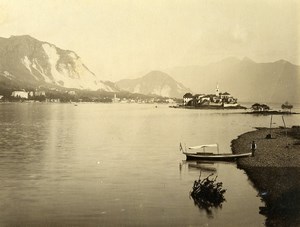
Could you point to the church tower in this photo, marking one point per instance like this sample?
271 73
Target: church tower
217 90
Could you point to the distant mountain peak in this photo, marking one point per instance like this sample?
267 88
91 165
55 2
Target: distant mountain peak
24 37
248 60
23 40
154 83
156 74
282 61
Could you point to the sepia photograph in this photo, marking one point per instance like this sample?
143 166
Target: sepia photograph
150 113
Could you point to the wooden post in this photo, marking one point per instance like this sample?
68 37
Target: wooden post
271 126
285 130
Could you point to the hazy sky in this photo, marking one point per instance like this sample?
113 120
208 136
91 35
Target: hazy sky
117 38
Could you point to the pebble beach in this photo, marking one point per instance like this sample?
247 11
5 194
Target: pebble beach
274 170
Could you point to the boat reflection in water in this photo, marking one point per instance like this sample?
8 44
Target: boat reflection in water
203 166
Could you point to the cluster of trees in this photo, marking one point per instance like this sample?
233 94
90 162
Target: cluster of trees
287 106
264 107
260 107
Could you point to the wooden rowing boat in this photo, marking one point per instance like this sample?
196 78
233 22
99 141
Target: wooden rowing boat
209 155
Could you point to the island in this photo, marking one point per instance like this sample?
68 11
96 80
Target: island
218 100
274 171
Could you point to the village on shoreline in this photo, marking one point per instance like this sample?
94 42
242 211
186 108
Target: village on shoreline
219 100
71 96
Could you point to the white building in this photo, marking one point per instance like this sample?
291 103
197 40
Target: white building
40 93
170 100
20 94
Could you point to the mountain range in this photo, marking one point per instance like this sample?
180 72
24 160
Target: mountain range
28 62
154 83
245 79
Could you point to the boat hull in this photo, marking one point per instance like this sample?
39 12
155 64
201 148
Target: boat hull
216 157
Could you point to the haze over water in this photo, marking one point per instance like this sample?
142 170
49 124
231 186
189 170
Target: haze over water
114 164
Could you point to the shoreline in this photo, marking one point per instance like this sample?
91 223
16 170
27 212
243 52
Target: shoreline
271 112
209 107
239 107
274 171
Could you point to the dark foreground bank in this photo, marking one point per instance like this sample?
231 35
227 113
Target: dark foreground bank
274 171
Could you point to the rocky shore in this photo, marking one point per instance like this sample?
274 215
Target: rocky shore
275 171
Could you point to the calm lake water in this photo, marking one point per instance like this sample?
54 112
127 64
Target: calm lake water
118 165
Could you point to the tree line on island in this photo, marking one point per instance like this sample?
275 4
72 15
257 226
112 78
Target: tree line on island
257 107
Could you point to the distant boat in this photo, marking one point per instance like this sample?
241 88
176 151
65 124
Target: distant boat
202 155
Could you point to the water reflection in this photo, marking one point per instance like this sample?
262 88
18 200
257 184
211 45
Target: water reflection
210 211
208 194
202 166
23 136
114 165
282 203
207 198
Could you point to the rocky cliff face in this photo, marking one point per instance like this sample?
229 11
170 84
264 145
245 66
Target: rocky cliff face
154 83
29 61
